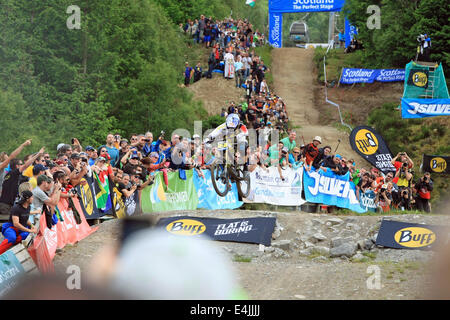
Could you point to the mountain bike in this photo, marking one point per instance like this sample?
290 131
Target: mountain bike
224 174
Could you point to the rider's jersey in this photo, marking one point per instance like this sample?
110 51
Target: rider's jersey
223 131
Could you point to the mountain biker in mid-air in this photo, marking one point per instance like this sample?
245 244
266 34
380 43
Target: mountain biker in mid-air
233 127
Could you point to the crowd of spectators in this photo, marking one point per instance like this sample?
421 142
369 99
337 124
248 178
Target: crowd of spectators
131 165
230 42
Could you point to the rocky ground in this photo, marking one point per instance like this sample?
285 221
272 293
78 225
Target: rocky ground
312 256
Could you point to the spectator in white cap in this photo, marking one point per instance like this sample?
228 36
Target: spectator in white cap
311 151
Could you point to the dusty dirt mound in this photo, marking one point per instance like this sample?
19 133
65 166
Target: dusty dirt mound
216 93
355 101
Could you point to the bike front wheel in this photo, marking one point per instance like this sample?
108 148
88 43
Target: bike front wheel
243 183
220 179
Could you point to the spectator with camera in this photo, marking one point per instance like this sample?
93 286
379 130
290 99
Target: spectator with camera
424 187
125 187
78 168
384 197
130 161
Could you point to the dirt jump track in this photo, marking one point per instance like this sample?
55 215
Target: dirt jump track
293 76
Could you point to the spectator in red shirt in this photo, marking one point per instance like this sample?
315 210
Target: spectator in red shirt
311 151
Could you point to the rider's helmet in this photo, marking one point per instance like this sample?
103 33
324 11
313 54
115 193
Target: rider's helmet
233 121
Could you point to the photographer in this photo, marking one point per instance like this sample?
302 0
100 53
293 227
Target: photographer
403 158
424 187
384 197
125 187
78 168
283 161
405 200
67 191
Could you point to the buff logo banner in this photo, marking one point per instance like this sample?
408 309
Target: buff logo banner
436 164
402 235
249 230
421 108
350 76
370 145
331 189
418 78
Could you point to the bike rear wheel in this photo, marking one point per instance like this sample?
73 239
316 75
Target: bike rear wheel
243 183
220 179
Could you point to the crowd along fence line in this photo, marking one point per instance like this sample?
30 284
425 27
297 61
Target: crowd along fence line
187 190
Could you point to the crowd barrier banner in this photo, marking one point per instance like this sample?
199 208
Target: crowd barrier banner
64 232
267 186
331 189
350 75
403 235
10 272
436 164
422 108
180 194
367 200
370 145
250 230
208 197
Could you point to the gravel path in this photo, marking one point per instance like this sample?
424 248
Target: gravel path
286 273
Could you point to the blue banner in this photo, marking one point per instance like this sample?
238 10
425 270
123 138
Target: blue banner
208 197
421 108
331 189
275 29
350 75
10 272
349 32
367 200
288 6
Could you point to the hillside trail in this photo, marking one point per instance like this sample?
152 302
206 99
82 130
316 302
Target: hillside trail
293 76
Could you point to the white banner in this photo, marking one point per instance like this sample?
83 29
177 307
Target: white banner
267 186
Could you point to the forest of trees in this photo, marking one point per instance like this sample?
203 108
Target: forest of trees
119 72
394 44
122 70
